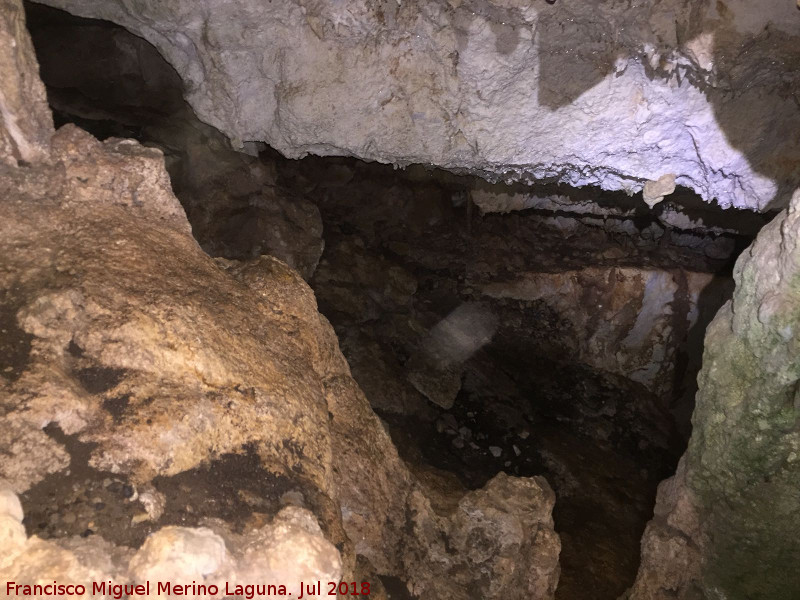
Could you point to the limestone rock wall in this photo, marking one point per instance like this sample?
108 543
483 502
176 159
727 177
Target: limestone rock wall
165 414
25 121
291 548
603 93
726 525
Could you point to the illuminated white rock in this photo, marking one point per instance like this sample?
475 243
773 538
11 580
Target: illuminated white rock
609 94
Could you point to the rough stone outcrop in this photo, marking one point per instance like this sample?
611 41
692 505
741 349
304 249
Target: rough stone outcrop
673 546
25 120
166 366
164 413
608 94
503 531
291 548
726 526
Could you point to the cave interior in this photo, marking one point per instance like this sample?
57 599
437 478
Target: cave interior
527 327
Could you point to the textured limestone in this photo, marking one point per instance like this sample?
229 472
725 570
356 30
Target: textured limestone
12 532
673 545
503 531
608 94
209 358
25 120
129 354
654 191
9 503
731 518
88 305
618 215
289 549
179 552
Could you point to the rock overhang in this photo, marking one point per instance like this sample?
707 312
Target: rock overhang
606 94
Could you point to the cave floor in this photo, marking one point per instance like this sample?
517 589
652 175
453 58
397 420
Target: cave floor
602 441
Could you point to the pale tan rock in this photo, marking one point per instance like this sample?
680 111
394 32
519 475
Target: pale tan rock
25 120
9 502
93 307
515 514
13 538
655 190
672 545
501 202
68 561
179 554
517 555
289 550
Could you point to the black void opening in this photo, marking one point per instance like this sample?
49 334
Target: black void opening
532 329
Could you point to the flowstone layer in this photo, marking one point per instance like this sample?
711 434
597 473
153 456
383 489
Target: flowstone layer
613 93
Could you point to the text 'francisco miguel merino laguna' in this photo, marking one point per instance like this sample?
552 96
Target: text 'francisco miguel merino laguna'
167 588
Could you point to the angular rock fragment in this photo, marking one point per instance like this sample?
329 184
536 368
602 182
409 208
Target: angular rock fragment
654 191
